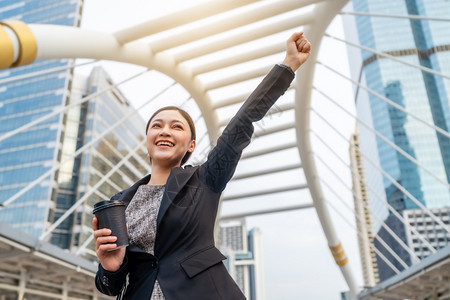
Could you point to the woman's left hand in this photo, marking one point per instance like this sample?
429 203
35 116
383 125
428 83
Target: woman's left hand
298 49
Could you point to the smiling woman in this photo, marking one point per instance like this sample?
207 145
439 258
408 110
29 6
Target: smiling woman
171 213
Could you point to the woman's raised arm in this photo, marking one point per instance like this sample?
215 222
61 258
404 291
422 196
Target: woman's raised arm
223 158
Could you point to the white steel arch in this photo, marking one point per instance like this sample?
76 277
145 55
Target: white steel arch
37 41
326 11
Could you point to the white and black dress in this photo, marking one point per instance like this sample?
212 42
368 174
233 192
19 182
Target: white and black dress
141 216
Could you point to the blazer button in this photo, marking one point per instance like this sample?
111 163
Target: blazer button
105 280
154 264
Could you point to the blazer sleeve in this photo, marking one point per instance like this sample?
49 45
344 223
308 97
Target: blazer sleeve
111 283
223 158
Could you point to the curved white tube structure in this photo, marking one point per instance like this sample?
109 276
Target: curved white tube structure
55 42
305 76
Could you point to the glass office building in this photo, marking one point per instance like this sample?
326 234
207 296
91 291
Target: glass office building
27 155
244 257
110 131
116 159
420 42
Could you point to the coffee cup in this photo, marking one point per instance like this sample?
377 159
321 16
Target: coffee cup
111 215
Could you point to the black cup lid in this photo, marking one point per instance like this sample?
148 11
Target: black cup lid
105 204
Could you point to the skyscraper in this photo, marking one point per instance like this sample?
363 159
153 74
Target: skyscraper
419 42
363 215
244 253
117 158
433 233
27 155
34 152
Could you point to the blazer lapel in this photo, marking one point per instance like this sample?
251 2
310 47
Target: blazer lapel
177 180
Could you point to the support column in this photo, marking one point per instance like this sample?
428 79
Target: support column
22 285
65 290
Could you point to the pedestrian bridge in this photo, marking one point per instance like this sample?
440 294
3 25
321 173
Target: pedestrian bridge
211 50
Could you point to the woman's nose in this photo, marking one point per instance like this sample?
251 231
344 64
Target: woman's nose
165 130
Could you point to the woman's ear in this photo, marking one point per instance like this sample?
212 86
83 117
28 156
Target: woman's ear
192 146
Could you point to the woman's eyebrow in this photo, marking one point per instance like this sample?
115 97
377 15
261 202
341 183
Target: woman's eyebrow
172 121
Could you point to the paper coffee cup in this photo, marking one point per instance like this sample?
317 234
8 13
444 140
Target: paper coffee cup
111 215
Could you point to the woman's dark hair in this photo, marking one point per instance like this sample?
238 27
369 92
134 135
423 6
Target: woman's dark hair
188 119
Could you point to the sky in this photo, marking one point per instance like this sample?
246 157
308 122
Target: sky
297 261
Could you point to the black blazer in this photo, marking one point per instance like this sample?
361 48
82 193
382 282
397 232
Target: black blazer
186 263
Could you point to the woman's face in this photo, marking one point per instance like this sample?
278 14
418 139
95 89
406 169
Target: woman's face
169 138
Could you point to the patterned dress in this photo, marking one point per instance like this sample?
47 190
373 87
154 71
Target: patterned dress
141 216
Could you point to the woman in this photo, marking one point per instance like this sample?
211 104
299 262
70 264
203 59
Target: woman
171 213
